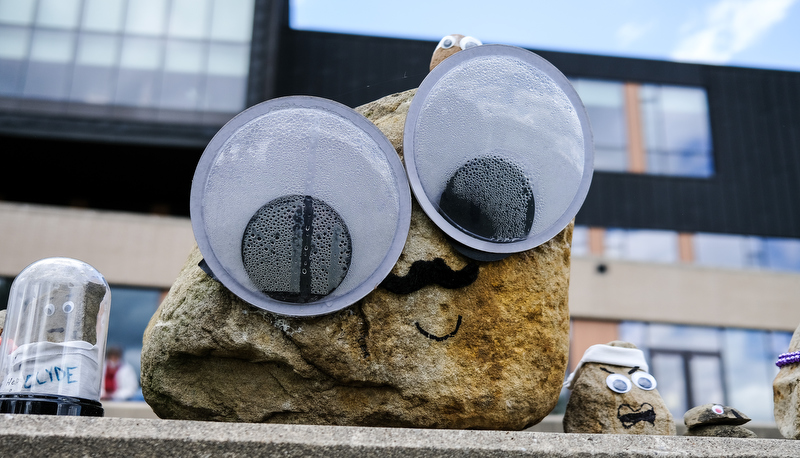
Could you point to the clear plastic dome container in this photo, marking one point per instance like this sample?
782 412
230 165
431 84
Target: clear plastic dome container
54 339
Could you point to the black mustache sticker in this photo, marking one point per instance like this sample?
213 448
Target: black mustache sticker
630 416
424 273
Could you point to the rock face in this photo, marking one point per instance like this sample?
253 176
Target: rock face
716 420
594 408
786 394
490 353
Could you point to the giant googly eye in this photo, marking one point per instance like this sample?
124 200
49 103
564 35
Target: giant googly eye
447 42
300 206
498 149
68 307
618 383
644 380
469 42
49 309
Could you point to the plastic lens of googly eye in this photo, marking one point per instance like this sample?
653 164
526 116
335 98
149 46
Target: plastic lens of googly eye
49 309
718 409
644 380
300 206
498 149
618 383
68 307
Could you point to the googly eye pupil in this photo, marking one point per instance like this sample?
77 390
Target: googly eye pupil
620 385
68 307
296 249
49 309
646 384
490 198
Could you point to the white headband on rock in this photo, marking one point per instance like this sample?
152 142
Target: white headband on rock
606 354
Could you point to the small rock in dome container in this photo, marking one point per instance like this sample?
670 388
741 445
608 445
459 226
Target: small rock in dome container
54 339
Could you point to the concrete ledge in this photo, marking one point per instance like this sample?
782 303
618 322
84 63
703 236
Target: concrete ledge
34 436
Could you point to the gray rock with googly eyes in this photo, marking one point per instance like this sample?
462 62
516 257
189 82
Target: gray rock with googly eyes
605 399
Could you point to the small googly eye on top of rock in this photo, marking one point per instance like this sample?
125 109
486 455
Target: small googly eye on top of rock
469 42
285 201
498 149
447 42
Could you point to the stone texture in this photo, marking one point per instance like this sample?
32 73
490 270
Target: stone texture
490 355
594 408
704 415
720 431
786 395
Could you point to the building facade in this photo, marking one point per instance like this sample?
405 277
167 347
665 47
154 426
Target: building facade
688 244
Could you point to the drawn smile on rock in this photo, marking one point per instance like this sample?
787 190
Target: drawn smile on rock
424 273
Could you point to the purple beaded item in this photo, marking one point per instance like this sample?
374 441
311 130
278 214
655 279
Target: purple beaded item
788 358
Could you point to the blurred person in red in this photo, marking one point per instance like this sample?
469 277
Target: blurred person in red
119 377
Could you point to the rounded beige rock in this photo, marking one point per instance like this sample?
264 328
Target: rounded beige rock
490 355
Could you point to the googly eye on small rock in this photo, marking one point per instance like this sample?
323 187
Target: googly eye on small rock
49 309
618 383
718 409
68 307
644 380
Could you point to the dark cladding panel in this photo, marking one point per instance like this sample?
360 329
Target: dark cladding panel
351 69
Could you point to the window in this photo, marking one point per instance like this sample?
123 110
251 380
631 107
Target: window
648 128
605 104
165 55
642 245
131 310
729 251
677 136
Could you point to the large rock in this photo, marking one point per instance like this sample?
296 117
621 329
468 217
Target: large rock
594 408
491 354
786 394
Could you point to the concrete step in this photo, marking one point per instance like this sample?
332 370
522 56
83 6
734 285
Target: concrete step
48 436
